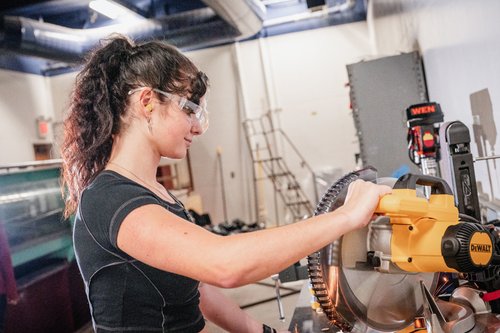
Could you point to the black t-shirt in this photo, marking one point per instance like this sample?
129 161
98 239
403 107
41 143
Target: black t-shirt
125 294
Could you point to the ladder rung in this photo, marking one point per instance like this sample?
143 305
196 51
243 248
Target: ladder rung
281 174
271 159
259 149
298 203
260 133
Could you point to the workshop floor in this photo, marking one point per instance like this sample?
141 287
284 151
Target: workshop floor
259 299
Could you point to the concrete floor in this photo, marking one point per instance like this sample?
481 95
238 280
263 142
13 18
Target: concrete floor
259 299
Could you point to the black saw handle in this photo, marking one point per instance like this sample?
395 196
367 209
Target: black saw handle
410 181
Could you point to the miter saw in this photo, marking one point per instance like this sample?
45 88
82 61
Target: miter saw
383 278
429 261
422 264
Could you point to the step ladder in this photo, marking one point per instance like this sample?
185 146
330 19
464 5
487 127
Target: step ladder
269 163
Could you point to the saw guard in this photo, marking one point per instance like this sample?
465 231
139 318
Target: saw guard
351 293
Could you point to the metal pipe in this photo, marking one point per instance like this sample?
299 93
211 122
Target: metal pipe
244 114
227 21
223 189
483 158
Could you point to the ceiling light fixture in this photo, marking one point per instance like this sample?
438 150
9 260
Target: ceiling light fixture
111 9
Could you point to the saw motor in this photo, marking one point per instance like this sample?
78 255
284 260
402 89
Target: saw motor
426 234
376 278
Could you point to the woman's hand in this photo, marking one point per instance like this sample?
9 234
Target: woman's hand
361 200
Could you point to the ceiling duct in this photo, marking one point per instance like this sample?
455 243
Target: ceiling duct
246 16
221 22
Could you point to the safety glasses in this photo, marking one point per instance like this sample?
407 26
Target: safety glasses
195 112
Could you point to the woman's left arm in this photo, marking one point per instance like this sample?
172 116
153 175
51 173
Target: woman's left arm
224 312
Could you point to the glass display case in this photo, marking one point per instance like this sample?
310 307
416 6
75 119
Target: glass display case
31 208
52 294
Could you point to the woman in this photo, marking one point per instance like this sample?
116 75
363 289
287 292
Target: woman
141 257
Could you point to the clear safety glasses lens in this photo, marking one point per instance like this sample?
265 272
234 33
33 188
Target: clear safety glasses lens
195 111
198 112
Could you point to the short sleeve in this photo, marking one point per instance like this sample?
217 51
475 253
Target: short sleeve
107 202
122 213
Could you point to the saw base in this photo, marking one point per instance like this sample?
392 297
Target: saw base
307 320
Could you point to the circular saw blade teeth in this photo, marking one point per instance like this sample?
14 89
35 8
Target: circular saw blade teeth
320 292
319 285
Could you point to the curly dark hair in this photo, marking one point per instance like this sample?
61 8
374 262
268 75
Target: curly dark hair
99 102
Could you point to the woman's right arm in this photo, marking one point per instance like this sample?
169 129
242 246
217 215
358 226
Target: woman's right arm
160 239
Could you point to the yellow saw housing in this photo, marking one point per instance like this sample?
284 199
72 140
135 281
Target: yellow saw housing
427 235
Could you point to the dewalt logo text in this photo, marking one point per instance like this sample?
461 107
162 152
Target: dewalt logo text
480 248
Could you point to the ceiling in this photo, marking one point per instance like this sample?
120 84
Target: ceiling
51 37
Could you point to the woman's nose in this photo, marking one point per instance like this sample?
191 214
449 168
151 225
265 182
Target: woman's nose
196 128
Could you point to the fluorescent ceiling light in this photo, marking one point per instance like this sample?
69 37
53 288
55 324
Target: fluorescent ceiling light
111 9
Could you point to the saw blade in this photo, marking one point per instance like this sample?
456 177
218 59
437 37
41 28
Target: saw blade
354 296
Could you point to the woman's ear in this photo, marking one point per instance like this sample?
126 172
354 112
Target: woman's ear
146 100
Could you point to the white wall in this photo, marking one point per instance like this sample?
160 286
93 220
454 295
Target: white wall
23 98
310 83
460 44
60 89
